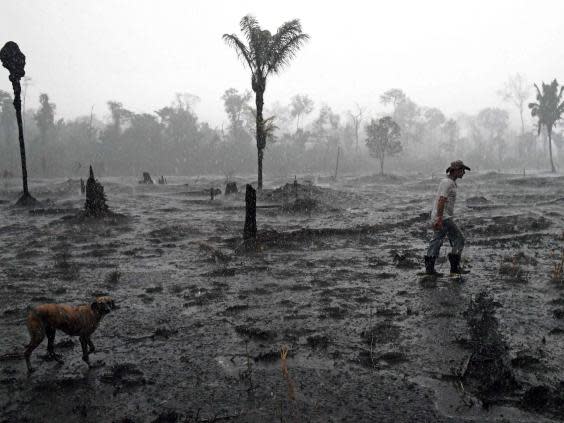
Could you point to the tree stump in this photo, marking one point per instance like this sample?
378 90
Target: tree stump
147 179
250 229
95 204
231 188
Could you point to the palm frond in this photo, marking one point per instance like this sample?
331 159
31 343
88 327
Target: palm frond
249 26
560 94
269 128
286 32
539 95
243 52
284 53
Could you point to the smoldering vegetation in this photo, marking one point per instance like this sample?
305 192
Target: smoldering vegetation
324 319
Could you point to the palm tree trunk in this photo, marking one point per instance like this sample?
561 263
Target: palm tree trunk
260 156
552 168
18 107
261 141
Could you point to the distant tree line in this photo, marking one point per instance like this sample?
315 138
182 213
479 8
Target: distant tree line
303 139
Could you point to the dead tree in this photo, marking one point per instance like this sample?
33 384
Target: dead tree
14 60
95 204
337 165
250 229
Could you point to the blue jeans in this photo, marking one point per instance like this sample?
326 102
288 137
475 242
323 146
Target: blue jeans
455 237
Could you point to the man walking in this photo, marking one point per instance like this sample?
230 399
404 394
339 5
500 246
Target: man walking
443 222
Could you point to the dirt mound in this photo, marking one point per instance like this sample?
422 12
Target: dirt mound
300 198
301 205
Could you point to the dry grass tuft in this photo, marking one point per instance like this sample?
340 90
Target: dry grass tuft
284 366
511 270
557 274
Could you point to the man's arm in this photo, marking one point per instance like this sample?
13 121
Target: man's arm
438 223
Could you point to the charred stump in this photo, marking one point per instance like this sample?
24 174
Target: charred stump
250 229
488 372
214 192
95 205
231 188
147 179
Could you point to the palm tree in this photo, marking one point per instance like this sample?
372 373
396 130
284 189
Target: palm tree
265 54
548 110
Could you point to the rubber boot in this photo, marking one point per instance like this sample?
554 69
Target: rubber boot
455 268
430 265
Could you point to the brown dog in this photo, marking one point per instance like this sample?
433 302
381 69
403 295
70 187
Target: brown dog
80 321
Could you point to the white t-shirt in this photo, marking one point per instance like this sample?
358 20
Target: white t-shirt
447 188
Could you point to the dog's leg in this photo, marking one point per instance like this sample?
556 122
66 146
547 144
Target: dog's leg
91 345
51 345
88 342
36 333
84 345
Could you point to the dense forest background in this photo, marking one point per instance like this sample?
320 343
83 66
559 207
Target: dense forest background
306 138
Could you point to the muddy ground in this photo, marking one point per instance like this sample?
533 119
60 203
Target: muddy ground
203 323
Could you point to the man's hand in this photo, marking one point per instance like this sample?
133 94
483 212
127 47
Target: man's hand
438 223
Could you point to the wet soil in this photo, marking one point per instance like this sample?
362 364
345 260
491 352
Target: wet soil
204 321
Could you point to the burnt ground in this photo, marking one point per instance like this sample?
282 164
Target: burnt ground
202 320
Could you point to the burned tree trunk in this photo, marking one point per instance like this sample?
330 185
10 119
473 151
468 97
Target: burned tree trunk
95 204
14 60
250 229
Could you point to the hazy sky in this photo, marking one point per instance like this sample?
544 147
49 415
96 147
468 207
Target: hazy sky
445 54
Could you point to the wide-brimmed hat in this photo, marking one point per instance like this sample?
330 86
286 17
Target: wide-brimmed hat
457 164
